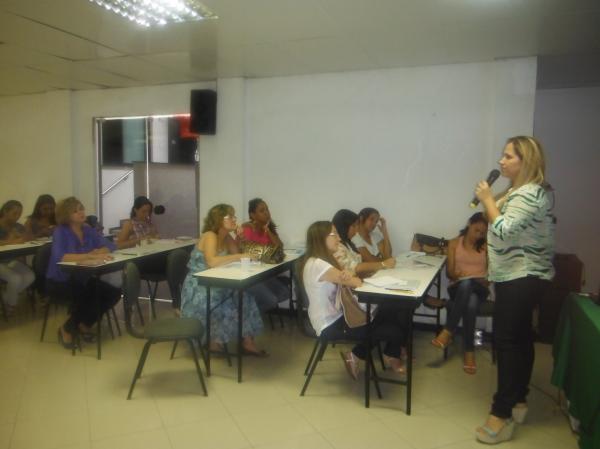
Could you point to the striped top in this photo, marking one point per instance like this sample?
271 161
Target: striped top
521 239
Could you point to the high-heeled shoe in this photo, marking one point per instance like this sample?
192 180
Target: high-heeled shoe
519 414
486 435
61 340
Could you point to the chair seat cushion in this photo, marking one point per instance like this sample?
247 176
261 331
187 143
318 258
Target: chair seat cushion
174 328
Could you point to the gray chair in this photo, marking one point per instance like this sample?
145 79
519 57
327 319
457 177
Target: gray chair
159 330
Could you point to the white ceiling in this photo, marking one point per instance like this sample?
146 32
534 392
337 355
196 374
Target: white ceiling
74 44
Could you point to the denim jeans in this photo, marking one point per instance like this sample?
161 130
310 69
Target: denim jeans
513 335
466 295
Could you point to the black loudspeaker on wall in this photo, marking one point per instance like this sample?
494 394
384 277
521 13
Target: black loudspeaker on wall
203 112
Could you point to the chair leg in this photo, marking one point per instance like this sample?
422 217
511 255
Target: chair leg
374 377
200 376
312 356
202 354
174 349
46 312
109 322
114 314
139 311
227 355
280 317
271 320
319 356
140 367
380 352
152 294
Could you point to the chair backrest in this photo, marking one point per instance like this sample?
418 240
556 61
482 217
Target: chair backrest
429 244
131 294
177 261
40 263
302 307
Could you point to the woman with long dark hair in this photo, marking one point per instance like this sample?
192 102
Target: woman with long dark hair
139 227
372 239
346 222
262 230
467 270
41 222
17 275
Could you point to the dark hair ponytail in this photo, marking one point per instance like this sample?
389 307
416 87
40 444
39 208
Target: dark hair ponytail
477 217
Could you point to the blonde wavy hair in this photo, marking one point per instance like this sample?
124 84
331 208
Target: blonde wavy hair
214 218
64 209
533 160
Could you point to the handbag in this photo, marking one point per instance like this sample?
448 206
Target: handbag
270 254
432 246
353 314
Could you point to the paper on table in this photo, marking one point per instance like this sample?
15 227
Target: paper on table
384 281
392 283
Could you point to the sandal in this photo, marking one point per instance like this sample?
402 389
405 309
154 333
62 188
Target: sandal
486 435
351 364
439 344
394 363
61 340
259 353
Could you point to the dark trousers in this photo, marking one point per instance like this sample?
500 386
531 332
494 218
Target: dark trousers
388 326
87 305
513 335
466 296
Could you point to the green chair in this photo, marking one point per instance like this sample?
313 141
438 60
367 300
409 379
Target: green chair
159 330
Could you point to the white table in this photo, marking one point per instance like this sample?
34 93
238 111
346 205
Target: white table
235 277
409 267
21 249
122 257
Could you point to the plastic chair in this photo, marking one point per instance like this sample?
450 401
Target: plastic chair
160 330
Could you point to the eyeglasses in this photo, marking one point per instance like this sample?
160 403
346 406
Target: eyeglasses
230 217
332 234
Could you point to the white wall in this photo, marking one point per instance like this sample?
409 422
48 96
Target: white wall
567 122
411 142
35 145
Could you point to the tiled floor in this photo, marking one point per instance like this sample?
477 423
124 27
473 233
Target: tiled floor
51 400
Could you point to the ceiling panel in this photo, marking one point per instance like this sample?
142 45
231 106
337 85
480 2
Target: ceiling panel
75 43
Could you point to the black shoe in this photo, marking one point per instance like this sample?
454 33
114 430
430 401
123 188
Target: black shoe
64 344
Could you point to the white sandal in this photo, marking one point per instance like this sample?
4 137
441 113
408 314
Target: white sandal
486 435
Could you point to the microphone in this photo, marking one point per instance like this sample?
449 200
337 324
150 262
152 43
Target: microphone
160 209
490 180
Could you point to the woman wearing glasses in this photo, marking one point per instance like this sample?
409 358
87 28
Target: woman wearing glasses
216 247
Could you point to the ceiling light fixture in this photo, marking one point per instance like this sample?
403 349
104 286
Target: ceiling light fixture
157 12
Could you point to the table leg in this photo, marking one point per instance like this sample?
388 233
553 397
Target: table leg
240 347
207 331
409 363
99 314
368 364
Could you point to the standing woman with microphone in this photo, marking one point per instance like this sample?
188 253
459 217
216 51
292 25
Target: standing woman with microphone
520 248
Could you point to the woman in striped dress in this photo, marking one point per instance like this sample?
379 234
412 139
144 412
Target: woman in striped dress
520 251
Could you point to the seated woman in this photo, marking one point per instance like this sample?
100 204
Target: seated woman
322 276
372 240
75 241
15 273
139 227
41 222
467 269
217 247
347 255
261 229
